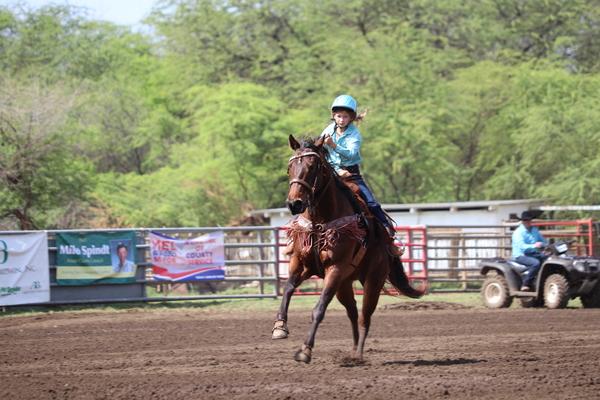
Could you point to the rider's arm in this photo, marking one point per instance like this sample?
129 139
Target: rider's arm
350 149
538 236
327 134
333 161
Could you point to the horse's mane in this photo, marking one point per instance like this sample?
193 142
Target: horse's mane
309 143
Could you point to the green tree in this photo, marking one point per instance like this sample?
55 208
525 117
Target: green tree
236 138
38 172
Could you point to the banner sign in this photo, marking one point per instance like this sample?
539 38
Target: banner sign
24 269
181 260
84 258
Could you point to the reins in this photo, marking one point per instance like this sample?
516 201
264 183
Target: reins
315 197
313 201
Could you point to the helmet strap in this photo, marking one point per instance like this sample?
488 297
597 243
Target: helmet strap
335 127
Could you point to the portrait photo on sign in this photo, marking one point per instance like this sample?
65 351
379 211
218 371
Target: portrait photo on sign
122 255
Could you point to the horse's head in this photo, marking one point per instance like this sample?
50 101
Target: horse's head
307 170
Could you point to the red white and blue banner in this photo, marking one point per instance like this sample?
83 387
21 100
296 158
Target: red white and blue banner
185 260
24 269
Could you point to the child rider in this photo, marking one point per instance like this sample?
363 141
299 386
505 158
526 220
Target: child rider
343 141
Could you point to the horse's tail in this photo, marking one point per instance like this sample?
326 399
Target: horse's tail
398 278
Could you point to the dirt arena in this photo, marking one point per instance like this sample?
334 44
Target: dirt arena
416 351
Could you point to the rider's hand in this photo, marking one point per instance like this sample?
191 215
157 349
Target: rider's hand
343 173
329 141
537 245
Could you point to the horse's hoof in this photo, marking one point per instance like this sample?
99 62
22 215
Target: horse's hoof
279 334
303 355
280 330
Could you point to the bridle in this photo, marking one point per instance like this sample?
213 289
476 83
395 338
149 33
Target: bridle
314 197
312 189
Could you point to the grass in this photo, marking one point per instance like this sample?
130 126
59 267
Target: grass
306 303
299 303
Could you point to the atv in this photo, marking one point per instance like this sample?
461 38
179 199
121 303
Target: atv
561 277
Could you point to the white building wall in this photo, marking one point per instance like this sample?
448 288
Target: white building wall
494 214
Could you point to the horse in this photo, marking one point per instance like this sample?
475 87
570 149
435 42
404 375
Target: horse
332 236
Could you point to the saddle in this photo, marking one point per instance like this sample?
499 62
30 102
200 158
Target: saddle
364 209
349 181
370 220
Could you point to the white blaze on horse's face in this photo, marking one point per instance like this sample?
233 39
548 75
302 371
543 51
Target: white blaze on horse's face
303 170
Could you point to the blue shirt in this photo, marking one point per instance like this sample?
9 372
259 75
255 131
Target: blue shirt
347 151
523 240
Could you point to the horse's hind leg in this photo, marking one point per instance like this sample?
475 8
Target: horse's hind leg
372 289
331 284
345 295
280 329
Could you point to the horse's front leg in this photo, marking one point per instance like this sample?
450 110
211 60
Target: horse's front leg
280 328
331 284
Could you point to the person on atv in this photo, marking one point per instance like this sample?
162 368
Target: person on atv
526 244
343 141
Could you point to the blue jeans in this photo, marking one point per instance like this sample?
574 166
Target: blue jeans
365 192
533 263
372 204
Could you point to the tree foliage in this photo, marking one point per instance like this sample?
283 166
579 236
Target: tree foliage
489 99
37 173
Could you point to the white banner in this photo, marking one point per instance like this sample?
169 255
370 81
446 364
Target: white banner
24 269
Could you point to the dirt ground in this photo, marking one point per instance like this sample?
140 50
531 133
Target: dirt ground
414 352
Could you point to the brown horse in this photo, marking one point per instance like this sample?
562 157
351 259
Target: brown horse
329 237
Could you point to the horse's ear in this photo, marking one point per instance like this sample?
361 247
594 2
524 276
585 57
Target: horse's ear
319 141
293 143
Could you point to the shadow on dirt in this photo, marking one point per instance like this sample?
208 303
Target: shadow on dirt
446 362
425 306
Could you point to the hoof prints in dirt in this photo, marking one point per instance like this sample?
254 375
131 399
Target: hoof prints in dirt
346 361
349 362
425 305
474 354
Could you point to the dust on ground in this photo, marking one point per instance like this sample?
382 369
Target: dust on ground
442 351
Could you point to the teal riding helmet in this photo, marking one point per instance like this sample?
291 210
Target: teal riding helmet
344 101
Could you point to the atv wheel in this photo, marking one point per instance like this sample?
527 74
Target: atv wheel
531 302
592 300
494 292
556 290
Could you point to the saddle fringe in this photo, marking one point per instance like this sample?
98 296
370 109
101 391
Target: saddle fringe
302 232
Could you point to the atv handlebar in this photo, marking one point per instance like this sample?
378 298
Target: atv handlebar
557 248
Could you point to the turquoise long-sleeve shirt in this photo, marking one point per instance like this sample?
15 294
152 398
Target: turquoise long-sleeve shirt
347 151
523 240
